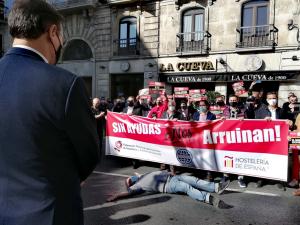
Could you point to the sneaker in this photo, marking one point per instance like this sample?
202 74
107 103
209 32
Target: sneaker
293 184
242 183
222 186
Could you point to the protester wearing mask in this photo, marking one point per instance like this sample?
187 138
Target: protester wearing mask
219 107
234 112
158 110
170 114
203 113
134 108
250 108
119 106
269 112
183 112
290 109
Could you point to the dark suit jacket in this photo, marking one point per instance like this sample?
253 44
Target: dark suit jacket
48 142
137 109
263 111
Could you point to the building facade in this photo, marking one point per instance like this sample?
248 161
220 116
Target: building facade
118 46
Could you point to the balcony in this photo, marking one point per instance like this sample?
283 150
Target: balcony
193 43
73 5
125 47
257 38
116 2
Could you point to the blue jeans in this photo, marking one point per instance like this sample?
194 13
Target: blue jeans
190 185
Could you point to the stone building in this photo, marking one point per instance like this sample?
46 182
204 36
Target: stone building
118 46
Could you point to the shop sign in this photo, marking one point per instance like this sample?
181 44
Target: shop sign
263 77
234 77
188 66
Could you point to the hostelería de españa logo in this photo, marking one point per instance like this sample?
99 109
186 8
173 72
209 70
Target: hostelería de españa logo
228 162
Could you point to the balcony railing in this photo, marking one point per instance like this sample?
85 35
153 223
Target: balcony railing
193 42
257 37
112 2
67 5
124 47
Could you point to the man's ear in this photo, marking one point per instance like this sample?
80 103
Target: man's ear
52 32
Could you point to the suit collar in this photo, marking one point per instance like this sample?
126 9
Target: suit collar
24 52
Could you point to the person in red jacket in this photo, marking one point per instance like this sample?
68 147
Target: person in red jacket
158 110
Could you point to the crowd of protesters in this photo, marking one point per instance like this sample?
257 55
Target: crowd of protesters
258 105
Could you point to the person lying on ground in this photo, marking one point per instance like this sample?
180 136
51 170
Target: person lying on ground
164 182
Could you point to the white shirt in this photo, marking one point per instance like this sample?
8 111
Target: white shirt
130 110
33 50
202 117
273 113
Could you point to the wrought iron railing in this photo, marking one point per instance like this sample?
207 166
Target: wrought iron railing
193 42
68 4
129 46
257 36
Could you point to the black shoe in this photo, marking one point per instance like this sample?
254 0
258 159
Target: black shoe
216 202
259 184
280 186
222 186
135 164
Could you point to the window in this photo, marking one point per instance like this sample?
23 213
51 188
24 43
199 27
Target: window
128 35
255 29
193 35
193 23
255 13
77 50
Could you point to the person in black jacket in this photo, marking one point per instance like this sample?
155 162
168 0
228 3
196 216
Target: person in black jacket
134 108
48 138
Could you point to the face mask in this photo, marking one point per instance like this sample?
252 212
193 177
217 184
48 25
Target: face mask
272 102
202 109
172 108
130 103
57 51
233 104
221 103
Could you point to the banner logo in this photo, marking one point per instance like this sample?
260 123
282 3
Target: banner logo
118 145
228 162
184 156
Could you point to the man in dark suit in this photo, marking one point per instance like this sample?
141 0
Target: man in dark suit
48 138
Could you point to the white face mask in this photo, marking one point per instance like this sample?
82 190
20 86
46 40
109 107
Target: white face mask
171 108
272 102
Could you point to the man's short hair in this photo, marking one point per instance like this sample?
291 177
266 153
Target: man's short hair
272 93
31 18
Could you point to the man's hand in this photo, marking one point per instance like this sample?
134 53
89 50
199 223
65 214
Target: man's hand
268 118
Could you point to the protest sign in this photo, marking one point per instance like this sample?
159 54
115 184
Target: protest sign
181 92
